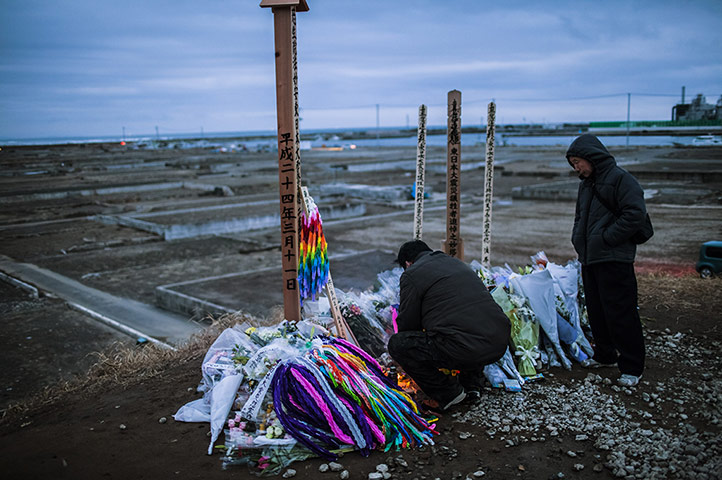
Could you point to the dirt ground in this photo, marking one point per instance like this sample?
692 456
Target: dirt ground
79 435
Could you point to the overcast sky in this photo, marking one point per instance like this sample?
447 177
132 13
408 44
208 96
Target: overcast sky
92 67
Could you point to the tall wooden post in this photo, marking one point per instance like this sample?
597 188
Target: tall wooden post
420 173
453 245
488 185
284 12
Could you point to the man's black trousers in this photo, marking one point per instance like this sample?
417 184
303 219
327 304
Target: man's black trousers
417 354
610 289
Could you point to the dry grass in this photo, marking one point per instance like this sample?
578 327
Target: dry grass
686 292
681 303
125 367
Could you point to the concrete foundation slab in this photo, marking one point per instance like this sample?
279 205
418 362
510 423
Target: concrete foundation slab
256 292
125 314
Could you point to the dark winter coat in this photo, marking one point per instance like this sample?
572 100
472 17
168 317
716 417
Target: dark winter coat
598 234
445 297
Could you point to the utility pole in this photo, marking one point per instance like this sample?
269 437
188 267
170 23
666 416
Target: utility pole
377 124
629 102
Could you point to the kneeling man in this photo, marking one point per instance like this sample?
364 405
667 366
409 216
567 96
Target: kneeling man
447 319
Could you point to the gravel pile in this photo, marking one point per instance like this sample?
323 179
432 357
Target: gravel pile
659 429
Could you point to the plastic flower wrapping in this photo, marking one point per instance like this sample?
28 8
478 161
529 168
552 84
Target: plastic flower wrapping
286 393
292 391
544 303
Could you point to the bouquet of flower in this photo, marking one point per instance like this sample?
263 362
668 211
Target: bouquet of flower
524 335
538 288
568 335
365 328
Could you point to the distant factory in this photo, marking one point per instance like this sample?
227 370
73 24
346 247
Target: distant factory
697 110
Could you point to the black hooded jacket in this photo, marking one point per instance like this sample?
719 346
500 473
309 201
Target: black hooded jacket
445 297
598 234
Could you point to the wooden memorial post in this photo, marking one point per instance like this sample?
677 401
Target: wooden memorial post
284 13
420 173
488 185
453 245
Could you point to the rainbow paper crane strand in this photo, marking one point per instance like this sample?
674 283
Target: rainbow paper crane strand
313 265
393 408
337 395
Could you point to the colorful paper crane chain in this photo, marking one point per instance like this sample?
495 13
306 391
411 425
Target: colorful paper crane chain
337 395
313 265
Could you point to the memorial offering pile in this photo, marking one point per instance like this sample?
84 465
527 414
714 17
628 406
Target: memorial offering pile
291 392
294 391
544 302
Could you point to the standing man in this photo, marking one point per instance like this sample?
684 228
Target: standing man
610 209
447 319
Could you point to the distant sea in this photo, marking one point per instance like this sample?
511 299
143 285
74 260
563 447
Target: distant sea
530 141
259 137
133 138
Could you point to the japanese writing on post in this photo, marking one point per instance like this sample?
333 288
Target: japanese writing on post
488 186
289 209
453 169
420 173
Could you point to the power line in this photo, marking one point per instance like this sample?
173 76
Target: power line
496 99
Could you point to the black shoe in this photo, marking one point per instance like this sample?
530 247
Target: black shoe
455 401
472 396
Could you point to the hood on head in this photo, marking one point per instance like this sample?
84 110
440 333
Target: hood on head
589 147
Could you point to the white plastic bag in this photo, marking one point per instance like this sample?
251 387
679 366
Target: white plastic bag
222 397
218 361
195 411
